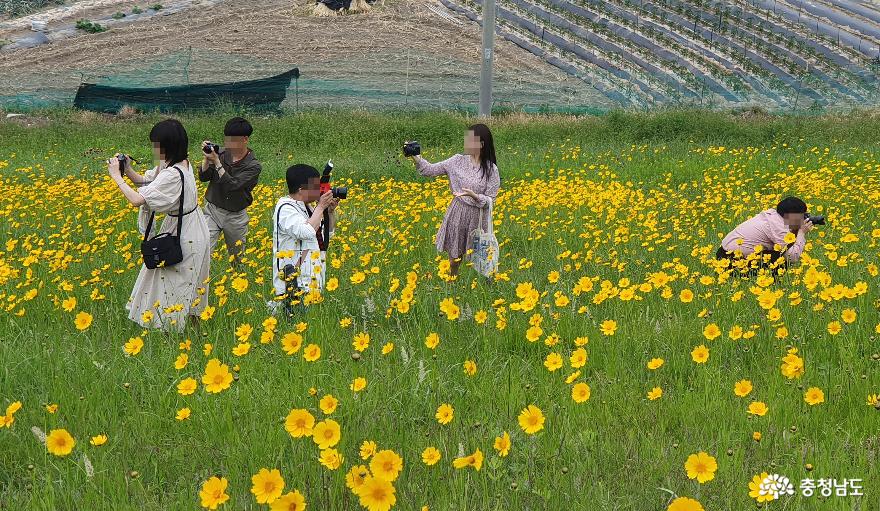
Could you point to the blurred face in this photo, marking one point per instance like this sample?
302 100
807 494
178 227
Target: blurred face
158 155
793 220
311 191
472 143
235 143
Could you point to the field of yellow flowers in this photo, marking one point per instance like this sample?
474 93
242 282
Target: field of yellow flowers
610 364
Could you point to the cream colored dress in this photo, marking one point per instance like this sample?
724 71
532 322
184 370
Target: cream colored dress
171 294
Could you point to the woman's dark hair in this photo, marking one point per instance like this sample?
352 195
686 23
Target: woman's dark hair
791 205
487 152
172 140
298 175
238 127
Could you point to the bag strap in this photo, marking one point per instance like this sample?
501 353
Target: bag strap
180 207
487 212
149 228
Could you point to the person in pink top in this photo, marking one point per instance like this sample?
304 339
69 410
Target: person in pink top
781 232
474 182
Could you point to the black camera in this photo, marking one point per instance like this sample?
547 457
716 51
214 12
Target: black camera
122 158
211 148
340 192
412 148
815 219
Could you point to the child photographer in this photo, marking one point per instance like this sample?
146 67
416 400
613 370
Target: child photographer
474 181
180 288
231 175
299 250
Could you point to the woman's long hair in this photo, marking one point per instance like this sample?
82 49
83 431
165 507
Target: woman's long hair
487 152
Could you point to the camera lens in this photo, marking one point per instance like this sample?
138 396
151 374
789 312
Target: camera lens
340 192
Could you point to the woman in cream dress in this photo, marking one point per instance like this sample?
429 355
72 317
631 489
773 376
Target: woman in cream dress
166 297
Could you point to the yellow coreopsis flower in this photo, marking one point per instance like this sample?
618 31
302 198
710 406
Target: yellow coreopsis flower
608 327
376 494
187 386
432 340
355 477
742 388
448 307
68 304
291 501
312 353
711 331
59 442
700 354
834 328
328 404
756 490
578 358
213 492
386 464
792 366
183 414
684 504
553 361
758 408
655 393
326 434
267 485
217 377
291 342
580 392
361 341
814 396
83 320
299 423
98 440
331 459
358 384
239 284
474 460
531 419
445 413
243 332
502 444
701 467
133 346
430 456
655 363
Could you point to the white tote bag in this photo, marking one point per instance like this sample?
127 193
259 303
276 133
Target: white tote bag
484 247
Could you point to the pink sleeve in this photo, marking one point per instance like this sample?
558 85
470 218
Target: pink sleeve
429 169
793 250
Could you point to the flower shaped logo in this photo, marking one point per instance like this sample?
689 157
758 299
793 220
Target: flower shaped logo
776 485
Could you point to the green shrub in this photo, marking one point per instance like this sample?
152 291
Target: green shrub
90 27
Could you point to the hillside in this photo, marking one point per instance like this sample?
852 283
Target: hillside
403 53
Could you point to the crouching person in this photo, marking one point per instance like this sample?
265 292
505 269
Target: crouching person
771 239
303 222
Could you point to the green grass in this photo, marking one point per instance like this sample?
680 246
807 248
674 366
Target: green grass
632 195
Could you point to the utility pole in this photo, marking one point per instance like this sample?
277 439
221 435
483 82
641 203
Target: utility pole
488 55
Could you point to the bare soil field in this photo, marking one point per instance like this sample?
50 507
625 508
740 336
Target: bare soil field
401 52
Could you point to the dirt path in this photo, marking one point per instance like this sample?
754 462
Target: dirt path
404 48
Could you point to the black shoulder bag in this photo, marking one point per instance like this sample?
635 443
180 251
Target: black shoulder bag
163 250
